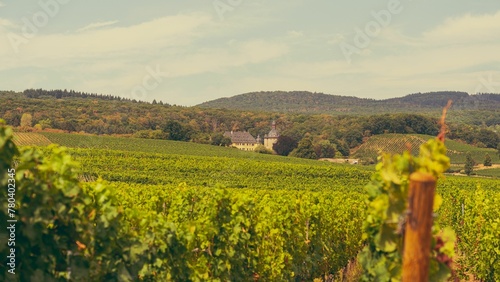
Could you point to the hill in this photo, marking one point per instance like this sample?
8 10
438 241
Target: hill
295 101
308 102
397 143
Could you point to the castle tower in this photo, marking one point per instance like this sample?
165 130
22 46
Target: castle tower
259 140
272 137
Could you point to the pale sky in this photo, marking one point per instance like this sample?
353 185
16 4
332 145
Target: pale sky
188 52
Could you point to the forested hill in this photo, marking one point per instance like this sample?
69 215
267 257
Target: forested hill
308 102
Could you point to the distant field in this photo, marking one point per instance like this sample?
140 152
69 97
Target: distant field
397 143
161 147
143 145
148 161
159 162
31 139
211 171
493 172
391 143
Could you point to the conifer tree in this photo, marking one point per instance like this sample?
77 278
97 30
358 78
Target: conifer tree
487 160
469 164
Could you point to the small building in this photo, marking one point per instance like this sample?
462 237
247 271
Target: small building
242 140
272 137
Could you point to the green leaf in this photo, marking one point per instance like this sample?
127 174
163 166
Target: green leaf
386 240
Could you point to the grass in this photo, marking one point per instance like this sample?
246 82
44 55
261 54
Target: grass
492 172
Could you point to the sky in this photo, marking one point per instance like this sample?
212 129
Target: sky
189 52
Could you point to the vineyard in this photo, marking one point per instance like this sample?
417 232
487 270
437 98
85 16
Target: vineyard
474 215
187 212
31 139
160 147
136 144
398 143
389 143
150 168
276 235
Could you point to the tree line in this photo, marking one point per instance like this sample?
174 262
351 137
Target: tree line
61 94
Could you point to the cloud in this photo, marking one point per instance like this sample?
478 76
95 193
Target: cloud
102 57
295 34
141 44
466 29
449 56
336 39
145 38
201 54
4 23
220 59
97 25
121 79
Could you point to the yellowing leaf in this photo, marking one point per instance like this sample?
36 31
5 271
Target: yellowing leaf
192 229
81 246
438 201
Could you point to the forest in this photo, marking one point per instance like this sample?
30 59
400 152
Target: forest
320 103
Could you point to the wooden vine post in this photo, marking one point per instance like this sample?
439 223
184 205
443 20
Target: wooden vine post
417 240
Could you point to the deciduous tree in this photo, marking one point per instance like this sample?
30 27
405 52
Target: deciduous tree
175 131
221 140
305 149
26 120
284 145
325 149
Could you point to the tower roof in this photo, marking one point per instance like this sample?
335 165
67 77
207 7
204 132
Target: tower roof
273 133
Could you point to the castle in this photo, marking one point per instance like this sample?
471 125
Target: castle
243 140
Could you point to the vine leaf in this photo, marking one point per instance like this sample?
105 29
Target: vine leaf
438 201
386 240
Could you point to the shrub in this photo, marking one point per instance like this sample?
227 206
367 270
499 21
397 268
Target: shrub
261 149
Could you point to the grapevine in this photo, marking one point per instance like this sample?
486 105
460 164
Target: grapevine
381 259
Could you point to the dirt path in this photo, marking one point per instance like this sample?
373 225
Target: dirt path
481 166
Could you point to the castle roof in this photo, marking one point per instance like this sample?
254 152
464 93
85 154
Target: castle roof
240 137
273 133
